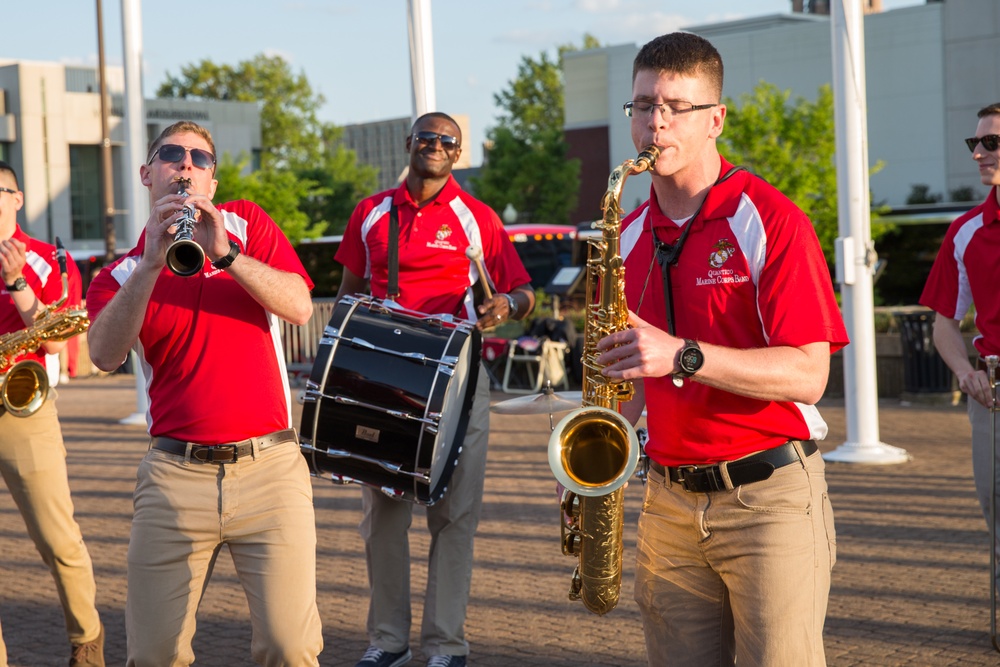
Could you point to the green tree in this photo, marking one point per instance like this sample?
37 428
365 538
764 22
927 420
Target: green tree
526 165
308 182
792 145
340 180
279 192
290 131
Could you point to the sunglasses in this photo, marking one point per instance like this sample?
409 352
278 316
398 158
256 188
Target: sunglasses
989 141
426 138
13 192
174 153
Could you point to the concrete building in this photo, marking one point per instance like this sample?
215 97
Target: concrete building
929 69
50 132
382 144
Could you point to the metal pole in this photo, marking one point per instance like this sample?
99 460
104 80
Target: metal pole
418 18
136 197
991 368
855 251
106 171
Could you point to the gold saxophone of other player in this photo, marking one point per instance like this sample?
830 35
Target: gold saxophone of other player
594 450
27 383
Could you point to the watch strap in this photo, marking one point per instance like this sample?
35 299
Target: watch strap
226 262
19 285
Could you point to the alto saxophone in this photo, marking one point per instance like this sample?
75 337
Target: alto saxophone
594 450
27 383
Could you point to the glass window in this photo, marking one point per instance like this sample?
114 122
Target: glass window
85 192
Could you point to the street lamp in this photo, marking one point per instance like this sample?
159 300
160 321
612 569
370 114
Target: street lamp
509 214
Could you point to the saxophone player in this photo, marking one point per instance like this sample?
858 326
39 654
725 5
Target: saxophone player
32 454
731 337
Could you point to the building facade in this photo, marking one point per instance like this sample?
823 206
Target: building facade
50 132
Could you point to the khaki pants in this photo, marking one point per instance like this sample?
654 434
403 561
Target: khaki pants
982 465
33 464
452 522
737 577
185 511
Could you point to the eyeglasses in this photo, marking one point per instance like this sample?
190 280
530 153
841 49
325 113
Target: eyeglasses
989 141
174 153
667 109
13 192
426 138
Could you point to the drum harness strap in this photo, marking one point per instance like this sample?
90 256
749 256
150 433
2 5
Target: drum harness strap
392 289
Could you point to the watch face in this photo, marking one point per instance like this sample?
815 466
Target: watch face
691 359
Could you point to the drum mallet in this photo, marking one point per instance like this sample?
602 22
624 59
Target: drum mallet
475 254
991 369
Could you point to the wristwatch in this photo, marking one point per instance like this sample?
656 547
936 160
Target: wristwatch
689 362
511 305
224 262
19 284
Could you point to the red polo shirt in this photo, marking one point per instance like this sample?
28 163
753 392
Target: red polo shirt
41 272
435 275
750 275
967 272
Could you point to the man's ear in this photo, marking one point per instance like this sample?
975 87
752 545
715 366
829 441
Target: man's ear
144 176
212 187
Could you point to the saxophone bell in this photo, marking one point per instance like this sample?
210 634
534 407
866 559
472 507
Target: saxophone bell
25 388
184 256
593 451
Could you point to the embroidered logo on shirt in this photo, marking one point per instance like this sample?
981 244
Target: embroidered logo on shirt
723 251
441 238
717 275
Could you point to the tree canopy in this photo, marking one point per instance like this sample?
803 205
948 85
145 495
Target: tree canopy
290 130
308 182
792 145
526 164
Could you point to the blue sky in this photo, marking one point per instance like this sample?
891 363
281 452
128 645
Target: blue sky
356 53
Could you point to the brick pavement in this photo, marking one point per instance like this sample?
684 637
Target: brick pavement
909 587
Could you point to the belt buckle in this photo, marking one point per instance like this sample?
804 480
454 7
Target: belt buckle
220 454
683 472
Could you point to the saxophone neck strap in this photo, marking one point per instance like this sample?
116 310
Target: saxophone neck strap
667 255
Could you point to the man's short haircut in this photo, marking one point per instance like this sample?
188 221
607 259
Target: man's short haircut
991 110
682 53
442 116
6 168
177 128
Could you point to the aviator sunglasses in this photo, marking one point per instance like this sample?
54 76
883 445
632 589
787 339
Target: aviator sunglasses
989 141
174 153
447 142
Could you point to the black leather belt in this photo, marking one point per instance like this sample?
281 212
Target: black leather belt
226 452
754 468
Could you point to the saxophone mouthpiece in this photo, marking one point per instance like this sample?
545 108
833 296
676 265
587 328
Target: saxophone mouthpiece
647 158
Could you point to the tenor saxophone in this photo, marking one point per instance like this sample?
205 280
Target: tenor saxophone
26 384
594 450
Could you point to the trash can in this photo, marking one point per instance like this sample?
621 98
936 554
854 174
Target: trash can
924 371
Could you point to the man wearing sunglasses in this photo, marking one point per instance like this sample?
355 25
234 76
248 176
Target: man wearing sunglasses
32 452
437 223
965 276
223 466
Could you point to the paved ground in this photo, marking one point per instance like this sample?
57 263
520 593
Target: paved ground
909 587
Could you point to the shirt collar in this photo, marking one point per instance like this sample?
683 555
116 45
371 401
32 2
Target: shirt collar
448 192
718 204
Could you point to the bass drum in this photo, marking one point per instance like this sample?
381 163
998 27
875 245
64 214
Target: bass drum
388 401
